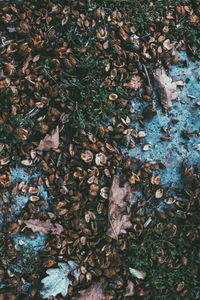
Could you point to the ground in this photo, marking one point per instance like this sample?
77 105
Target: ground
99 149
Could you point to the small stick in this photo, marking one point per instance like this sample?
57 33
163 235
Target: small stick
113 229
147 75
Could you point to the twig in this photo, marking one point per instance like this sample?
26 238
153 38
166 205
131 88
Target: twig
147 75
113 229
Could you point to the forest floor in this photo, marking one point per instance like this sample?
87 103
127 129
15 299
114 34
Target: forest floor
99 149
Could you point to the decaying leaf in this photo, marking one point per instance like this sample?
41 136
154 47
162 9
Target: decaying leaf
134 84
43 227
168 45
4 83
165 87
130 289
100 159
138 274
119 206
50 141
87 156
27 162
94 292
57 281
57 229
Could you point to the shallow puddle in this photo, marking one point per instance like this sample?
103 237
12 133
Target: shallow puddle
19 175
183 116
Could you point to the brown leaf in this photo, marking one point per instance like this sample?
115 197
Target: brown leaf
134 84
58 229
94 292
165 87
118 209
106 45
50 141
4 83
167 45
130 289
26 63
43 227
10 68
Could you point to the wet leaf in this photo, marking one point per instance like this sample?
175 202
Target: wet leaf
43 227
165 87
57 281
146 147
119 206
95 292
134 84
50 141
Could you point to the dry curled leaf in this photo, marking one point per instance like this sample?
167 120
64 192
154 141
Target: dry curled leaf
130 289
50 141
134 84
43 227
27 162
87 156
165 87
138 274
94 292
119 206
100 159
167 45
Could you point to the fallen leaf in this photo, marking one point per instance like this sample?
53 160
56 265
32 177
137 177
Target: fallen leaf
27 162
159 194
4 161
26 63
165 87
87 156
167 45
50 141
146 147
138 274
57 229
57 281
119 206
94 292
4 83
43 227
34 198
130 289
10 68
134 84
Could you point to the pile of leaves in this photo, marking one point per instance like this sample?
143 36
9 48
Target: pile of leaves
69 70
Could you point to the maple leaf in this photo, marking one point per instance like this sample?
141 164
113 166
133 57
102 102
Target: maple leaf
165 87
119 207
50 141
43 227
94 292
57 281
134 84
